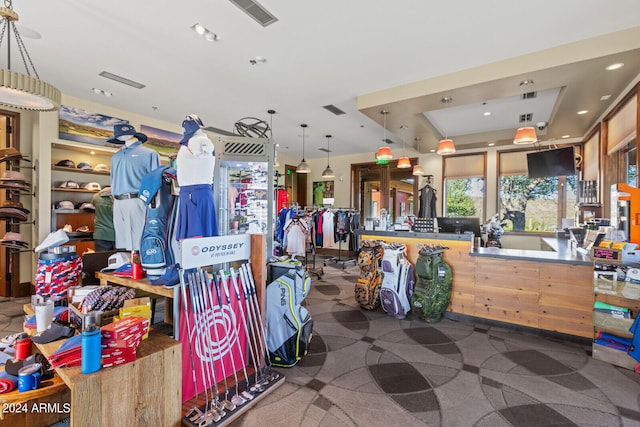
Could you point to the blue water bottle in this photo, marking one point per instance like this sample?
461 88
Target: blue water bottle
91 350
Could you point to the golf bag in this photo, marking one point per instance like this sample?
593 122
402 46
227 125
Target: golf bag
398 281
155 251
289 326
367 290
433 289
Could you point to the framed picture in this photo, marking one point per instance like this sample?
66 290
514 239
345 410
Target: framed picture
80 125
164 142
322 190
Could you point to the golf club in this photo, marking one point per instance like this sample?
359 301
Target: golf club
195 412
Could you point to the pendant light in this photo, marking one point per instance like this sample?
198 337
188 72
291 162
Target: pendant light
384 153
525 135
418 170
404 162
328 172
446 145
18 90
303 167
276 163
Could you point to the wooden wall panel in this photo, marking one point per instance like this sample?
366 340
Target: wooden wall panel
566 327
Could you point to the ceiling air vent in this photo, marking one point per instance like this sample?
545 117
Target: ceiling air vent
525 118
256 11
529 95
122 80
335 110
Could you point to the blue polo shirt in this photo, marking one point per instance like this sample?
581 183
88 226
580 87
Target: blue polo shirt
129 165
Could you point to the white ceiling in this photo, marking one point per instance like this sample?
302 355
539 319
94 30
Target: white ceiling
332 52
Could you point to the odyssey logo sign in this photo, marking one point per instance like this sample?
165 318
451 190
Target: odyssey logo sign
214 250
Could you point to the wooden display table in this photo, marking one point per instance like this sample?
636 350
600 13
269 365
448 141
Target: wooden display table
172 311
146 392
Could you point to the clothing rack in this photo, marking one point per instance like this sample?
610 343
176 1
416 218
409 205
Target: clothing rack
339 259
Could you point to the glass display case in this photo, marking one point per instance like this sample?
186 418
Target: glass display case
245 186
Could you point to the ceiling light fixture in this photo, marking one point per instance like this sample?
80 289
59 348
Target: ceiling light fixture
486 113
615 66
526 83
18 90
525 135
328 172
581 112
303 167
276 163
384 153
404 162
417 171
205 32
446 146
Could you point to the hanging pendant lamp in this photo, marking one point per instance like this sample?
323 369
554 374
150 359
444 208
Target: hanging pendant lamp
404 162
418 170
303 167
384 153
18 90
446 145
328 172
525 135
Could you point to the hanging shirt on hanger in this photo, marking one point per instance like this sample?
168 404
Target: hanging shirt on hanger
296 237
328 238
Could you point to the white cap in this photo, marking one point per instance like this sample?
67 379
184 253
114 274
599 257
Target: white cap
117 260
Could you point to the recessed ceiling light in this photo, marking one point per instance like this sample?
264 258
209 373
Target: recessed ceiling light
605 97
92 152
257 60
205 32
565 136
526 83
491 144
582 112
101 92
486 113
432 151
615 66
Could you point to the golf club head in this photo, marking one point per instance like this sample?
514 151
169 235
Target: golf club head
245 394
193 414
237 400
256 388
228 405
219 408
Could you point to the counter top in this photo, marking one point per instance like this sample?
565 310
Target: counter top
562 253
415 235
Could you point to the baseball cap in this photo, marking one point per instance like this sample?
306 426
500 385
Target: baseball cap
66 163
92 186
101 167
10 153
117 260
85 166
64 204
87 207
70 184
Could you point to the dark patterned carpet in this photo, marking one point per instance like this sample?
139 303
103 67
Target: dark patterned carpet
365 368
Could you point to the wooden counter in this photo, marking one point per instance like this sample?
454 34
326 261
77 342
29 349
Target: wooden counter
551 292
143 393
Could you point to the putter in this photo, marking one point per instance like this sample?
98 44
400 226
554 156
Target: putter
232 403
195 412
208 416
234 278
219 407
254 347
254 298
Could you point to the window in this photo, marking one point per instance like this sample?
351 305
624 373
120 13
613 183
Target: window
464 186
534 205
632 167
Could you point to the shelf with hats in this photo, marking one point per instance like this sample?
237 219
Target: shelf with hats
74 190
92 171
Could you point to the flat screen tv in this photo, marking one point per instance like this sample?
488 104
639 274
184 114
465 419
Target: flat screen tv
557 162
459 225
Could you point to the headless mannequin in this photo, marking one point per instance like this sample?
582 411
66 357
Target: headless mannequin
128 166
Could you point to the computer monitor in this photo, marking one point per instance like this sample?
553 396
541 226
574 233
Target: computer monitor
459 225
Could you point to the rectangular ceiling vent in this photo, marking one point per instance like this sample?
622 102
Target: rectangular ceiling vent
529 95
335 110
122 80
219 131
325 150
525 118
256 11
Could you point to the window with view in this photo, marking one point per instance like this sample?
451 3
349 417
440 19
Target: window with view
464 186
533 204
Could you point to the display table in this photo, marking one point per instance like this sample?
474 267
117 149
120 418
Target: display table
172 311
146 392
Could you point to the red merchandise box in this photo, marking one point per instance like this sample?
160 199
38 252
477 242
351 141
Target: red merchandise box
124 327
108 362
131 341
115 352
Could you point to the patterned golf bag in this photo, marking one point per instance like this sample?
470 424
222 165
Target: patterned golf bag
289 326
433 290
398 281
367 288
